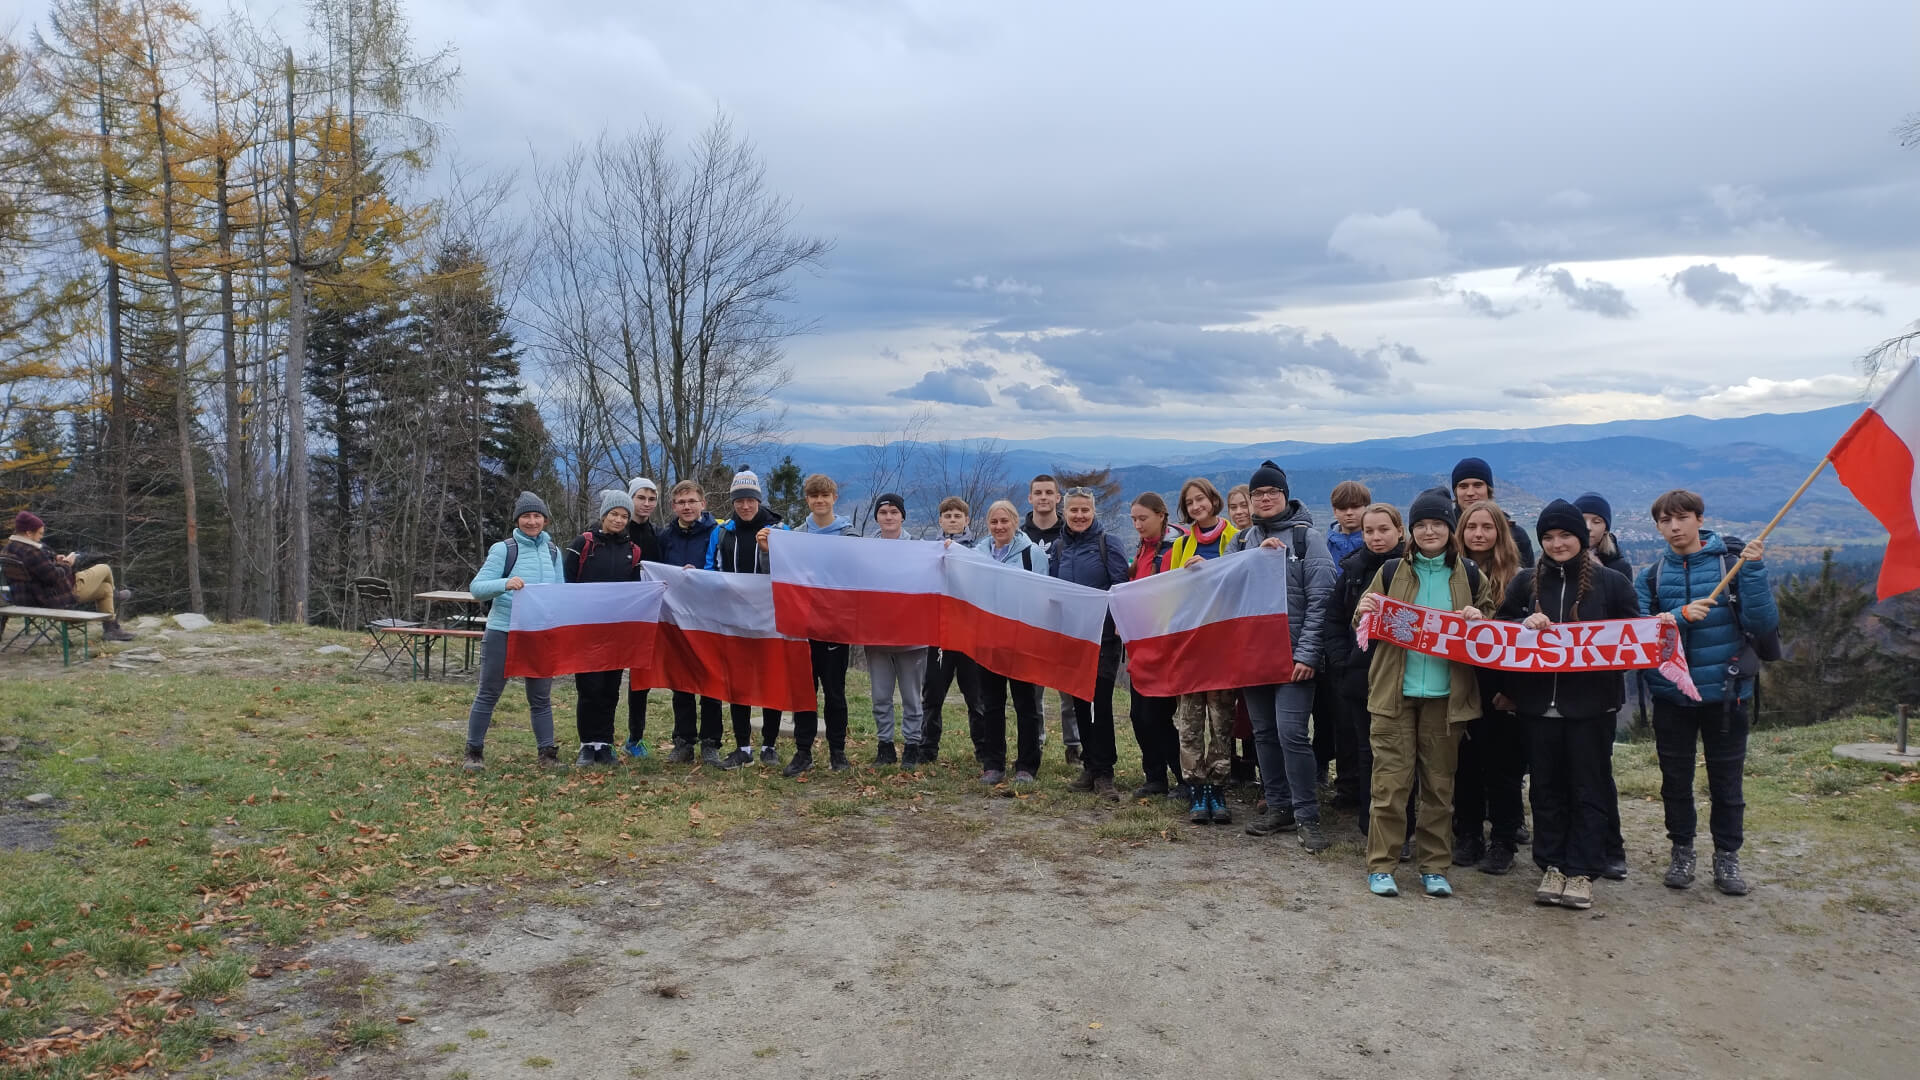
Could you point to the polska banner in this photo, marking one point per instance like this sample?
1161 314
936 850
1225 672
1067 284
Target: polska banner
1610 645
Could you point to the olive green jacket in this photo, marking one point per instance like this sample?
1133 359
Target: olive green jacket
1388 669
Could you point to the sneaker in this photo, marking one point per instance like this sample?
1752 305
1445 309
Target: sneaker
682 753
1083 782
740 756
1553 885
1272 821
1616 868
929 753
1103 786
604 755
802 761
1022 779
1578 894
1313 838
1217 803
769 757
1382 885
886 755
1181 792
910 757
637 749
1498 860
1200 809
475 759
837 759
991 777
1436 885
710 755
1468 850
1680 867
1149 789
1406 850
1726 873
1073 755
586 756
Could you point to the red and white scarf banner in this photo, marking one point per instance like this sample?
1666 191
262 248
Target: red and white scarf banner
717 638
1609 645
589 626
868 591
1221 627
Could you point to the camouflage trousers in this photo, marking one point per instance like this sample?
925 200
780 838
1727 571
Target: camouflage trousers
1205 724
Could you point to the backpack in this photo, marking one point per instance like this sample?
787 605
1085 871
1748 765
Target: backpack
1765 647
586 549
1386 575
513 556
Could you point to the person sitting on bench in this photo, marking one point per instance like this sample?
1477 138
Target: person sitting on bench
46 580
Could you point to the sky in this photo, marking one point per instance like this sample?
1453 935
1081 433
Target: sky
1244 221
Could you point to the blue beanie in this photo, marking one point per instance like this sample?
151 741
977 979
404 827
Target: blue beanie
1472 468
1596 504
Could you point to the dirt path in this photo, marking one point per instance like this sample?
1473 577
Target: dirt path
974 940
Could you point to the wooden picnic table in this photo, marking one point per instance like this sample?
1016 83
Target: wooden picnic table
464 630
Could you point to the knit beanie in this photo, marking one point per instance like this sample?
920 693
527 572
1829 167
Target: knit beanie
1597 505
890 499
529 503
26 521
638 484
1432 504
1269 475
1561 514
610 501
745 486
1472 468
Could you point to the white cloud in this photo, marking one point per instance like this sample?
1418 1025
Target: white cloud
1004 287
1785 395
1403 243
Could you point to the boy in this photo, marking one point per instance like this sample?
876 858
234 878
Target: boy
1043 526
645 497
1350 501
684 542
829 657
891 666
944 666
1335 740
1472 482
1718 636
740 547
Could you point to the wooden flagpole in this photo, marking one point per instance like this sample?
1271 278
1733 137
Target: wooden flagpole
1802 490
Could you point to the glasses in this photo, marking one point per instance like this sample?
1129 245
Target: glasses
1079 493
1267 493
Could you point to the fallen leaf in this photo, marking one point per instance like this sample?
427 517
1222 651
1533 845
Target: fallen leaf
1095 1025
403 1019
23 926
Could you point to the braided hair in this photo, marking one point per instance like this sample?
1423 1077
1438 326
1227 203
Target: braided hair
1579 592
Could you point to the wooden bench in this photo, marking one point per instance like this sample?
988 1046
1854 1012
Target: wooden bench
418 642
49 625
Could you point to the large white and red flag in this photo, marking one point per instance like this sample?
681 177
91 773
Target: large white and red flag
1221 627
589 626
1875 459
717 638
868 591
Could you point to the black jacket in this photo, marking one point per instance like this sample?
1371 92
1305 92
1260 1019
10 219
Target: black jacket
609 557
1046 538
1521 540
1349 664
734 548
642 533
1574 694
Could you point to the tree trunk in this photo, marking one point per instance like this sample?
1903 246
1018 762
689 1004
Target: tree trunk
183 389
300 555
239 483
117 451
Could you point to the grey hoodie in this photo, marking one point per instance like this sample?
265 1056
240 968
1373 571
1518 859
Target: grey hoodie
1309 579
1021 550
841 526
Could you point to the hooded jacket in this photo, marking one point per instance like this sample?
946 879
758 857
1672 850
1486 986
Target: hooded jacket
1342 651
1046 538
611 557
686 545
1713 643
43 583
537 564
1575 694
1309 578
841 525
1021 551
1387 669
734 550
1164 556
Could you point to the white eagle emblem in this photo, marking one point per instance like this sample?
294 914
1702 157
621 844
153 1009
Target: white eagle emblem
1401 623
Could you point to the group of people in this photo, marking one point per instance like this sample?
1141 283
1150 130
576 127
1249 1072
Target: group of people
1432 755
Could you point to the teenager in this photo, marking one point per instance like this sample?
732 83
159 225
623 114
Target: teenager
1493 756
944 666
1569 715
1333 740
526 557
684 542
1420 704
1383 537
1602 547
1718 636
739 546
1086 555
890 666
1153 716
1349 500
1239 507
605 553
1279 710
1472 482
1204 721
1241 768
645 498
1043 526
1006 544
829 657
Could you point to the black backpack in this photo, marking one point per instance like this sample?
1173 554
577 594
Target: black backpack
1765 647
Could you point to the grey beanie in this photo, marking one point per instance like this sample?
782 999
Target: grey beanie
638 484
529 503
745 486
610 501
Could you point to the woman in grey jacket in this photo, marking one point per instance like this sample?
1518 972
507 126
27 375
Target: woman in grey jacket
1005 543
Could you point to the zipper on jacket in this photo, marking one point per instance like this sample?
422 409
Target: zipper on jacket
1553 699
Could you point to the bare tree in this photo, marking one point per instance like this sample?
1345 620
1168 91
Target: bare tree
975 470
891 459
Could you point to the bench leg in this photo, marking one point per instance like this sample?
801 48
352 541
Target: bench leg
66 647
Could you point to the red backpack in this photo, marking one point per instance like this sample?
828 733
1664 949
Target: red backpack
586 549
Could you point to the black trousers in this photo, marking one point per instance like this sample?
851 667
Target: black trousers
1721 731
743 725
1098 751
685 730
597 703
990 732
636 714
830 675
1353 764
945 668
1487 784
1159 740
1326 723
1570 791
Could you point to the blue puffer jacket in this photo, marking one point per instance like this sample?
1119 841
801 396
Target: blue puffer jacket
1713 642
1088 558
686 545
537 564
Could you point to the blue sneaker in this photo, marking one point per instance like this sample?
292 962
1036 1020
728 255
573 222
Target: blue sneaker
637 749
1382 885
1217 805
1436 885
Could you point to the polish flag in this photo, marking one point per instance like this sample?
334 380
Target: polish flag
717 639
1026 626
1875 459
1222 627
858 590
583 626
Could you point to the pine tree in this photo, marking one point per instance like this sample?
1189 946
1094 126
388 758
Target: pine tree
786 490
1832 664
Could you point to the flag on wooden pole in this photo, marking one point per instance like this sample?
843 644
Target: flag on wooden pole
1875 459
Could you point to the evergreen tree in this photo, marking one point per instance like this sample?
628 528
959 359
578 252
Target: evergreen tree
1832 665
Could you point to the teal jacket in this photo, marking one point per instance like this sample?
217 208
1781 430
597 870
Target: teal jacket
1429 676
537 564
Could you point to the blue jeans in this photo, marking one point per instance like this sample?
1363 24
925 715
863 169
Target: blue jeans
1288 771
493 680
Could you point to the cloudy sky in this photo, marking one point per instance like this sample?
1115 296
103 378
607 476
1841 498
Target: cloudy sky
1259 220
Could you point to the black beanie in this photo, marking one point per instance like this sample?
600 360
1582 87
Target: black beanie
890 499
1432 504
1472 468
1596 504
1269 475
1561 514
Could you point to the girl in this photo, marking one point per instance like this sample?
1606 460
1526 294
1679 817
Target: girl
1493 759
1382 537
1569 716
1085 555
1153 716
1240 507
607 554
1005 543
1204 721
890 666
1241 768
526 557
1420 704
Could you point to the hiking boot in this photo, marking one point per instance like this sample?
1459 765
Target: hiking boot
837 759
549 758
1553 885
1406 850
1272 821
1578 894
769 757
910 757
1083 782
1200 809
1181 792
682 753
1498 860
1073 755
1468 850
475 759
1313 837
1103 787
929 753
1023 779
1149 789
710 755
740 756
1615 868
604 755
113 631
886 755
1726 873
1436 885
1217 804
991 777
586 756
802 761
637 749
1680 867
1382 885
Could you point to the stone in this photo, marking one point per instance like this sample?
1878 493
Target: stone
9 743
40 798
147 622
1880 753
334 650
142 656
429 968
86 761
445 882
188 620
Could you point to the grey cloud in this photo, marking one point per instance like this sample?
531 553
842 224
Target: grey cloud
1039 398
1402 243
1536 392
1481 304
1604 300
953 386
1709 286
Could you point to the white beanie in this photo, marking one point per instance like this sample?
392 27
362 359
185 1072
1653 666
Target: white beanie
635 485
745 486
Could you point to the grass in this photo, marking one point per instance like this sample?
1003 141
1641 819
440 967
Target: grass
230 813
